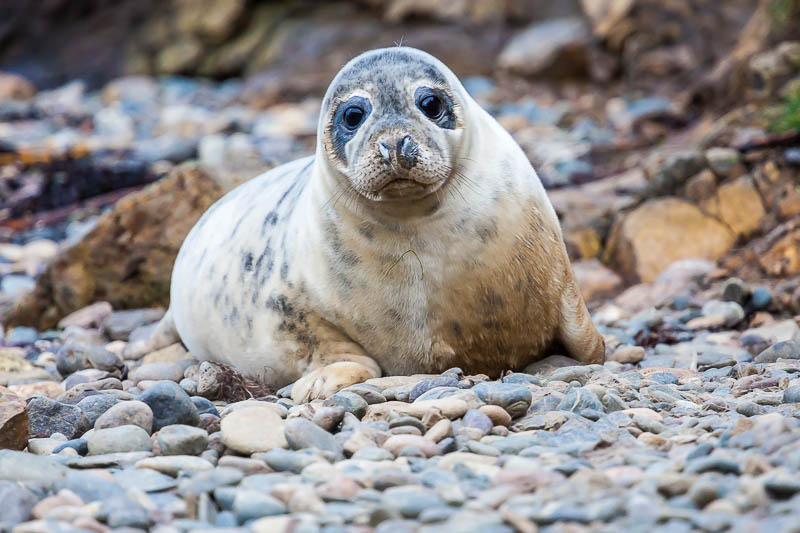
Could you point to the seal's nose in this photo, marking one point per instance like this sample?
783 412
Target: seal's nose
407 151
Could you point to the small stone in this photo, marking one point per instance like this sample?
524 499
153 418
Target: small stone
396 443
158 372
514 398
792 394
329 418
144 479
282 460
204 406
761 298
427 384
373 453
579 399
782 486
735 290
478 420
46 416
21 335
302 433
703 492
120 324
124 513
170 405
172 465
723 161
254 429
410 501
96 405
746 408
91 316
710 463
782 350
442 429
71 357
251 504
126 413
496 414
179 439
119 440
627 354
14 432
349 401
208 480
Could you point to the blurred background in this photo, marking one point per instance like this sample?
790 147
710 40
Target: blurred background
665 130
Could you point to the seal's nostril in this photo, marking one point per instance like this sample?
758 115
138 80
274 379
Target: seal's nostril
407 151
385 153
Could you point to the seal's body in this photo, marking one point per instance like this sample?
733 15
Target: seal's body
418 238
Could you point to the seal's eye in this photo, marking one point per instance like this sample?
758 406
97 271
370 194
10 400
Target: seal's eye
431 105
353 116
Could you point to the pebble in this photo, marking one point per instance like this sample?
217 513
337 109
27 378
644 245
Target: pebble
349 401
514 398
131 412
174 464
302 433
158 372
94 406
789 349
46 417
329 418
170 405
119 439
254 429
251 504
178 439
396 443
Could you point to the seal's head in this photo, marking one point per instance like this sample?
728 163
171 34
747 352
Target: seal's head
392 123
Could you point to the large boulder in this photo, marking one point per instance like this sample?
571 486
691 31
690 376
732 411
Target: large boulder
127 258
659 232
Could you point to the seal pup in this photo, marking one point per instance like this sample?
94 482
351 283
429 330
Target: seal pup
416 239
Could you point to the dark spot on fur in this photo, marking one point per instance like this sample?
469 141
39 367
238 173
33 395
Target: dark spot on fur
487 230
493 301
456 327
248 262
366 230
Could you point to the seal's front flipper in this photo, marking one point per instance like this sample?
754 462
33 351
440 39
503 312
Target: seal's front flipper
329 379
164 335
576 329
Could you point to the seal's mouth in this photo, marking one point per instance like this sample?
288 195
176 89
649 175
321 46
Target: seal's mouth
405 188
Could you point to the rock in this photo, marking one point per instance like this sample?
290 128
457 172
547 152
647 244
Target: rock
301 433
158 372
13 422
118 440
91 316
712 464
282 460
329 418
792 394
124 513
22 467
761 298
396 443
162 212
718 314
627 354
782 259
251 430
74 356
478 420
595 280
723 161
46 416
578 399
127 413
208 480
218 381
96 405
781 350
178 439
175 464
496 414
15 87
515 399
738 205
120 324
409 502
21 336
647 240
556 47
349 401
251 504
170 405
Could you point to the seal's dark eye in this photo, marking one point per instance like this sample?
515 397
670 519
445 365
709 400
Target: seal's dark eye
353 116
431 105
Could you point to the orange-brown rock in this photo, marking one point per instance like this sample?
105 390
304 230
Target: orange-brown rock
127 258
13 421
738 205
14 87
658 233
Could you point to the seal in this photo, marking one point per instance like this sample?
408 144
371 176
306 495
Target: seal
417 238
